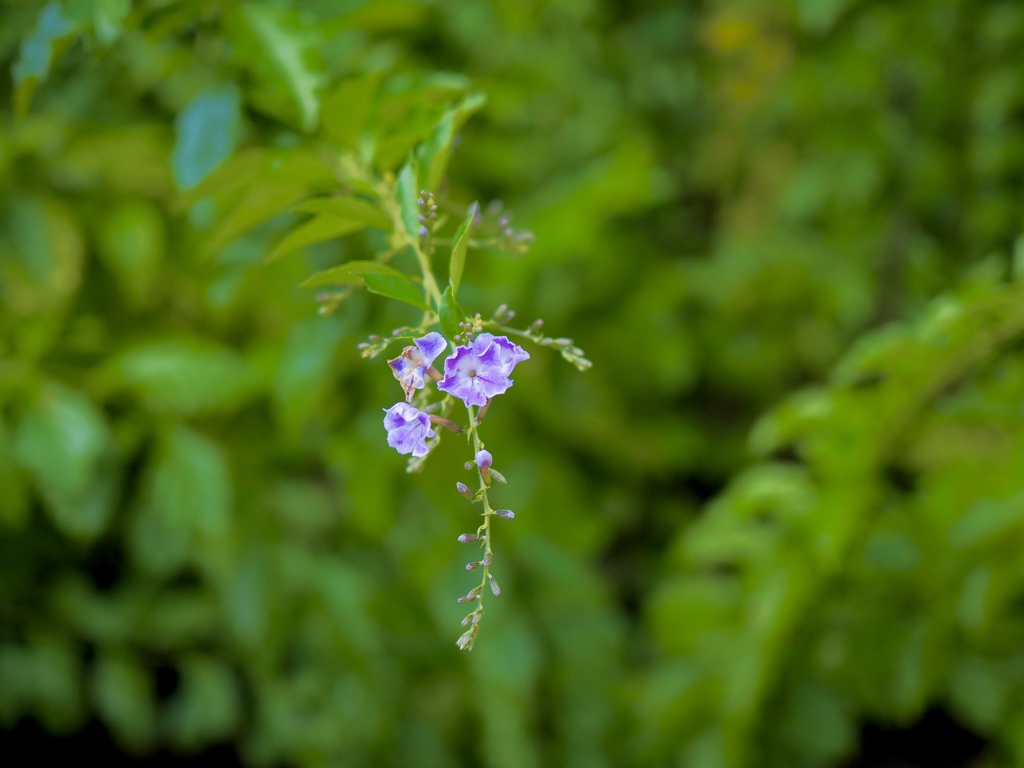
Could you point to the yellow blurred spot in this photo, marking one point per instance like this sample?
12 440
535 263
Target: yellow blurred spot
727 33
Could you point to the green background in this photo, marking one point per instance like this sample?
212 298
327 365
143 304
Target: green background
786 502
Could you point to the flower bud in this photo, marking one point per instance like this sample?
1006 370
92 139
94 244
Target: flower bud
487 560
423 232
494 585
468 537
498 476
508 514
483 459
483 412
472 566
464 490
448 424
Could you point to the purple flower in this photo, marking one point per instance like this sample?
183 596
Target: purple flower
410 366
408 429
476 373
483 459
509 354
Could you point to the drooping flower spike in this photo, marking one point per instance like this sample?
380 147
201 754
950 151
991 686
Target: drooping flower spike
415 362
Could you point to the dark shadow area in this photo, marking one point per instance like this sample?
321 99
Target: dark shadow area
28 744
934 741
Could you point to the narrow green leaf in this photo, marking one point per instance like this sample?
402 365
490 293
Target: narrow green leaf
228 179
316 230
282 51
450 314
260 204
345 111
300 169
407 197
396 287
340 275
206 133
38 53
347 208
378 278
459 249
434 153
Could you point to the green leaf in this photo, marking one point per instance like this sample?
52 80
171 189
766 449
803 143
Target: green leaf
450 314
180 376
230 178
131 241
186 504
125 698
63 441
105 18
988 521
316 230
306 374
255 188
38 53
207 706
407 197
14 511
378 278
44 253
434 153
282 51
207 131
108 19
346 110
348 208
260 204
192 483
459 250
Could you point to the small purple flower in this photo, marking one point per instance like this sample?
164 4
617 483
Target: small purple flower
408 429
509 355
483 459
415 361
480 371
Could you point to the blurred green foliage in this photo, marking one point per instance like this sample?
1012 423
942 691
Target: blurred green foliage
787 500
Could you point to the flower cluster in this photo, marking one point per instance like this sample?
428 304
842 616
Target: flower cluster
474 373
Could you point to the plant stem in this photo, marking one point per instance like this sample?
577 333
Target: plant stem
484 531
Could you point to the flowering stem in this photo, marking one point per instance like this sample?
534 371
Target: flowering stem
484 532
389 200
